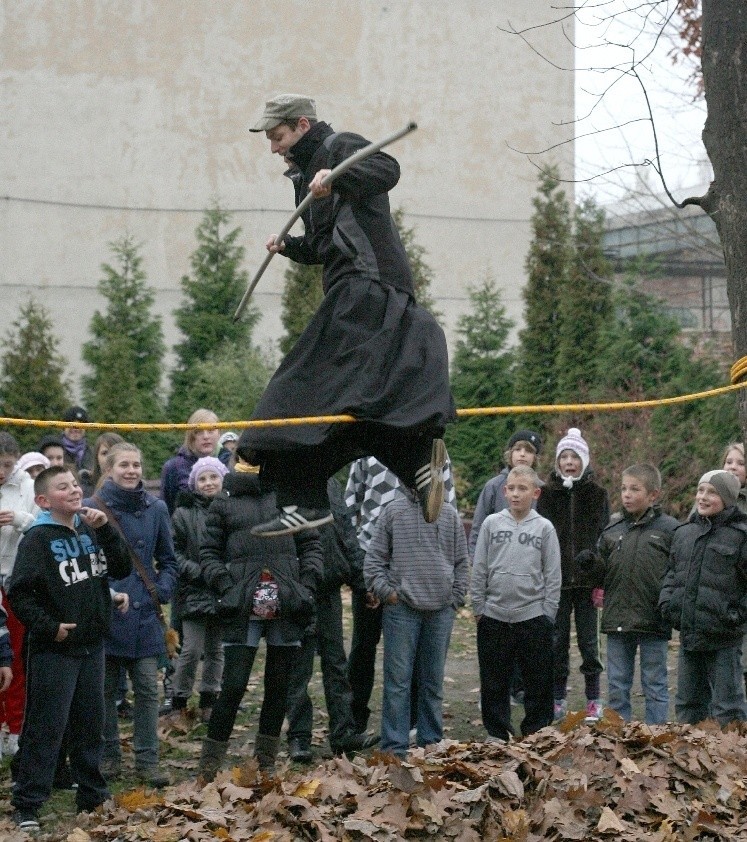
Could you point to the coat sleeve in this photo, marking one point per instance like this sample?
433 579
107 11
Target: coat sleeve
479 584
378 173
483 508
6 652
461 564
118 562
213 550
551 572
24 593
189 570
378 558
168 569
310 558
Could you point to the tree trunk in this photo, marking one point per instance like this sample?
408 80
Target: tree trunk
725 138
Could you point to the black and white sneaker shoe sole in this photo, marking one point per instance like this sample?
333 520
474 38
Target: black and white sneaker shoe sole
429 482
289 523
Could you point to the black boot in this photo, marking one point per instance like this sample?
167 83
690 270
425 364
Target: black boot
266 750
211 759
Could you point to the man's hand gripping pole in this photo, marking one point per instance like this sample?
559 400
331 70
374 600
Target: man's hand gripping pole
358 156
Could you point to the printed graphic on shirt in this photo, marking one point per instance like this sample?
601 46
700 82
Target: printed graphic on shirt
67 552
506 536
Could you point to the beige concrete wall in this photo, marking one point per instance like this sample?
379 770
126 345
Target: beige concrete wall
132 116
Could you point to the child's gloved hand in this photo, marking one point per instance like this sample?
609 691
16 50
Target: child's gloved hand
585 558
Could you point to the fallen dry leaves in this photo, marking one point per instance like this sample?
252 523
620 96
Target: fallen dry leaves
608 781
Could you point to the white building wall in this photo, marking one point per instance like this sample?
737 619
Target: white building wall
131 117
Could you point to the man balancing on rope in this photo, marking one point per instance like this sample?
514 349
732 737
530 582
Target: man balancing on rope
369 350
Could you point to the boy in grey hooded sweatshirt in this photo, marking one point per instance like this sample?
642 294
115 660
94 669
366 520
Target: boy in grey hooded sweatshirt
515 593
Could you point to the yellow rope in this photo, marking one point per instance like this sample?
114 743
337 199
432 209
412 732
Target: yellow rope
738 370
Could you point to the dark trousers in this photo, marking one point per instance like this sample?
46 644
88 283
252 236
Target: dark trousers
362 658
237 668
62 692
499 647
577 601
300 476
328 642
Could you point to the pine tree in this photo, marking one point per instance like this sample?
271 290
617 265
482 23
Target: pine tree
126 348
33 382
585 306
302 294
212 292
233 382
642 354
548 267
481 376
422 273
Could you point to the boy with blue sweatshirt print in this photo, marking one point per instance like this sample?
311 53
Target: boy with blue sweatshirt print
515 593
419 571
60 592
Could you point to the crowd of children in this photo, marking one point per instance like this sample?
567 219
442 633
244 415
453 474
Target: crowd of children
83 582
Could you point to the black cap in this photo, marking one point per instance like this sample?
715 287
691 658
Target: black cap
49 441
528 436
75 413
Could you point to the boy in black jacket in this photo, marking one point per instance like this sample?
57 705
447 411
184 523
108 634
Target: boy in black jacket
704 597
60 592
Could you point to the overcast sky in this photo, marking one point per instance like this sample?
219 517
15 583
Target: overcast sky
601 27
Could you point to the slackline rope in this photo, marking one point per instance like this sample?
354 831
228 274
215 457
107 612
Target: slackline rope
737 372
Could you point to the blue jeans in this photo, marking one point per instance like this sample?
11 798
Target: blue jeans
144 677
414 642
621 649
710 685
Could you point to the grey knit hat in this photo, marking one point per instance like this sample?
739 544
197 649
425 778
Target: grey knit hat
725 483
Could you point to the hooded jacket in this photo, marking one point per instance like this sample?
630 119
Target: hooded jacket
232 560
351 231
516 571
193 597
175 476
634 558
146 524
425 564
16 495
61 577
704 594
579 514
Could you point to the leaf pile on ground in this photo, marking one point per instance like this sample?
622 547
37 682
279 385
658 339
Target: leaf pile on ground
607 781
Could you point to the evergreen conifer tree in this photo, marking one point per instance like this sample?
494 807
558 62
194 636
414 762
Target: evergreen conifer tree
211 294
585 305
33 382
481 376
126 348
548 267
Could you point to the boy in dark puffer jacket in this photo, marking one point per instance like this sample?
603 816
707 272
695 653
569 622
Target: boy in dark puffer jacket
704 596
578 508
634 552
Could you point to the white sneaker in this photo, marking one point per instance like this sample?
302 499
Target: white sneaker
11 745
413 736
